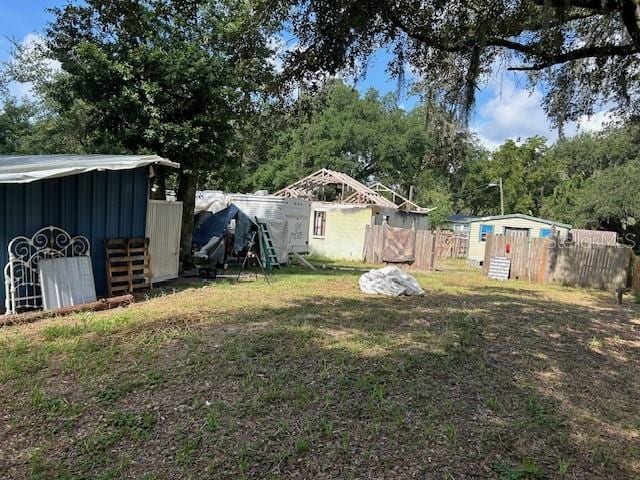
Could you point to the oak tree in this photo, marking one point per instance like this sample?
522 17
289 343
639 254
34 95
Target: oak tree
583 53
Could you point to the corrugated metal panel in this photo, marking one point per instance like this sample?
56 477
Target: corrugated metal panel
164 220
295 210
266 207
97 205
66 281
31 168
499 268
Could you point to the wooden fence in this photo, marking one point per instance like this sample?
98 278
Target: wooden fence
528 256
635 273
414 248
549 260
451 245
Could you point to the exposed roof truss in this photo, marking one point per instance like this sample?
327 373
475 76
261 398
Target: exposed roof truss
349 191
400 201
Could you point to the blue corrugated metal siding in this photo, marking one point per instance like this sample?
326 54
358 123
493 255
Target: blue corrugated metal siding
99 205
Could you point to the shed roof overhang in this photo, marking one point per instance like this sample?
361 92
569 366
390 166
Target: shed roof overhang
522 216
31 168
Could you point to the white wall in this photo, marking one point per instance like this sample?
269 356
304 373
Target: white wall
344 231
476 247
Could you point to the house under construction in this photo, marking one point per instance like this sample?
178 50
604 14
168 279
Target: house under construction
342 207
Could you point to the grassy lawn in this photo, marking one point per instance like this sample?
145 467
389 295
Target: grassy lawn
308 378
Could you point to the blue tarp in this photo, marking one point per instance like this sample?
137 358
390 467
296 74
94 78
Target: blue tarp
215 224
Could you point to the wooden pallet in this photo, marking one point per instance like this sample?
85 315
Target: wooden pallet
128 265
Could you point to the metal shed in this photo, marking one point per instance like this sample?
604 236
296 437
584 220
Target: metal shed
98 196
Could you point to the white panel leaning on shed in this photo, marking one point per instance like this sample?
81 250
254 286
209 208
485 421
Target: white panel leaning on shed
164 221
66 281
22 275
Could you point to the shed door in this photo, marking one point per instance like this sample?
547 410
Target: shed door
516 232
164 220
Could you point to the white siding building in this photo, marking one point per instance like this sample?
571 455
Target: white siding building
516 224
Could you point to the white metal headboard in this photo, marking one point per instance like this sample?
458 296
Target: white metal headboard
21 279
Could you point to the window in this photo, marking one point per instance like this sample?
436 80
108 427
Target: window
319 222
484 231
516 232
545 232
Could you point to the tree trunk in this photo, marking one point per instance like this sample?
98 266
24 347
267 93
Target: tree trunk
187 185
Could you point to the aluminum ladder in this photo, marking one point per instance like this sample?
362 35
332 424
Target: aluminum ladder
269 248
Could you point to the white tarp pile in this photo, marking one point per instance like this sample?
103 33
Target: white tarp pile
391 281
211 201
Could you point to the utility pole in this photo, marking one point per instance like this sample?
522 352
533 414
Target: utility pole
499 185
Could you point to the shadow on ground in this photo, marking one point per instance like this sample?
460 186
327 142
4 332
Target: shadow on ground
495 382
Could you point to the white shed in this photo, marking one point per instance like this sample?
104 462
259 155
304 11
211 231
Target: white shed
516 225
296 211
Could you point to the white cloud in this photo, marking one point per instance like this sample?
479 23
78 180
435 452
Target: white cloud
509 110
596 122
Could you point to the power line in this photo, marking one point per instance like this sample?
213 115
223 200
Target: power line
472 190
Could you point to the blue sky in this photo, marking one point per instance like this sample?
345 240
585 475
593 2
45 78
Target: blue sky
505 109
18 18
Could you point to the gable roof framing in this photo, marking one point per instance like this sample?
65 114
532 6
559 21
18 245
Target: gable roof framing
405 203
352 191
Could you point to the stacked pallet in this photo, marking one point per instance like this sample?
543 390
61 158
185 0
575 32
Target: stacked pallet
128 265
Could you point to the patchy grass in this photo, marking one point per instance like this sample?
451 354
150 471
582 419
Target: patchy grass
308 378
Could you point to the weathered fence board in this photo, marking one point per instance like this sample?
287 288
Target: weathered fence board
373 242
595 266
384 244
451 245
553 261
527 255
635 273
425 254
399 245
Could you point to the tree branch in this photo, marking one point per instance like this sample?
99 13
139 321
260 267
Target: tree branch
511 45
579 53
631 19
597 5
455 48
544 57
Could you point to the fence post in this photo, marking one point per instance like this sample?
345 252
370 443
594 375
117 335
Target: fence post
488 247
367 240
434 256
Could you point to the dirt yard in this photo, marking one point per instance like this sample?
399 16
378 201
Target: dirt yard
308 378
